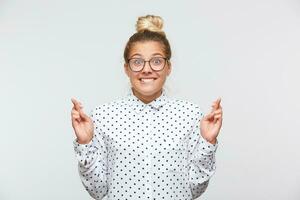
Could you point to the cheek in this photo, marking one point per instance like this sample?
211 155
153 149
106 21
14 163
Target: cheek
134 78
161 80
163 76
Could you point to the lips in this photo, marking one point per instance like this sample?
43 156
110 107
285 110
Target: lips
147 80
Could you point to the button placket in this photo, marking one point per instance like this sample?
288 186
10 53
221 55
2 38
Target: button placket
148 151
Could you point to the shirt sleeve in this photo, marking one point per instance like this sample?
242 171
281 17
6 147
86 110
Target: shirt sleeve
201 159
92 163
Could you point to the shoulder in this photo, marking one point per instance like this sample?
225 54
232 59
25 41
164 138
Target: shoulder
108 107
187 107
185 104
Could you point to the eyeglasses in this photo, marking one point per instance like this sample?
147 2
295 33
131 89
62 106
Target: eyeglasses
138 64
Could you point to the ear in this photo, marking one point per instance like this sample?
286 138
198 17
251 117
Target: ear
126 69
169 68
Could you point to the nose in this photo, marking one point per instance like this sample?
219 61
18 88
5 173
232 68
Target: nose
147 67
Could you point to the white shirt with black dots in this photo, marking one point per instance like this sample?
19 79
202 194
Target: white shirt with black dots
146 151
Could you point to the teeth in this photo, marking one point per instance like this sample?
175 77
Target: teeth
147 80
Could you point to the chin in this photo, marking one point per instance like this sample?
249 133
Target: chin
147 91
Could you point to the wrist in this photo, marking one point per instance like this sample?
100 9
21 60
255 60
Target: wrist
211 140
84 141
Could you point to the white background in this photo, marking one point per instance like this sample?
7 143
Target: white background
246 52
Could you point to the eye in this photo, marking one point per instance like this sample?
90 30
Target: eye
137 61
157 61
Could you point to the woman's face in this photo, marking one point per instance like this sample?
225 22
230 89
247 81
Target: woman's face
147 83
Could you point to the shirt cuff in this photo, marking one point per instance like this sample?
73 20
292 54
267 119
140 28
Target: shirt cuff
207 147
82 149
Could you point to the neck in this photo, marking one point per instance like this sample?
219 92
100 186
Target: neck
146 99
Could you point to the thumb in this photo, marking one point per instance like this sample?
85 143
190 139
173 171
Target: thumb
208 116
83 115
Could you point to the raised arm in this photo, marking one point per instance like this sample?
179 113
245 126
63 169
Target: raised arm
202 147
90 151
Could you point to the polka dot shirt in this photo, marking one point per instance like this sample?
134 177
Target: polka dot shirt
146 151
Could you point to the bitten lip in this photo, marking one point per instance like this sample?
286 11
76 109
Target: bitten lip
148 78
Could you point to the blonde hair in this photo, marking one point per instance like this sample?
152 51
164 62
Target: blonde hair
149 28
150 22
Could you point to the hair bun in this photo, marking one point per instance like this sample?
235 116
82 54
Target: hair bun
150 22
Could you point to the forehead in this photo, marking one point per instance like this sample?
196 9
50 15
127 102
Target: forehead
146 49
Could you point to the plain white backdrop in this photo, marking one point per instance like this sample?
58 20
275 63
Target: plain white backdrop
246 52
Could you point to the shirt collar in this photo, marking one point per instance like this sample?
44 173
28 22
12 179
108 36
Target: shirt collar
139 105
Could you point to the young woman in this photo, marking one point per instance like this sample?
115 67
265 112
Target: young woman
146 145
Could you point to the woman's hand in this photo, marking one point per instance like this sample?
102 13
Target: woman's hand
211 123
82 124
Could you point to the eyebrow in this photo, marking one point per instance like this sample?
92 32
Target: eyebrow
137 54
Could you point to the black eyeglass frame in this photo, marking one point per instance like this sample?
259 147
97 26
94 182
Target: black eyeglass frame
166 61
